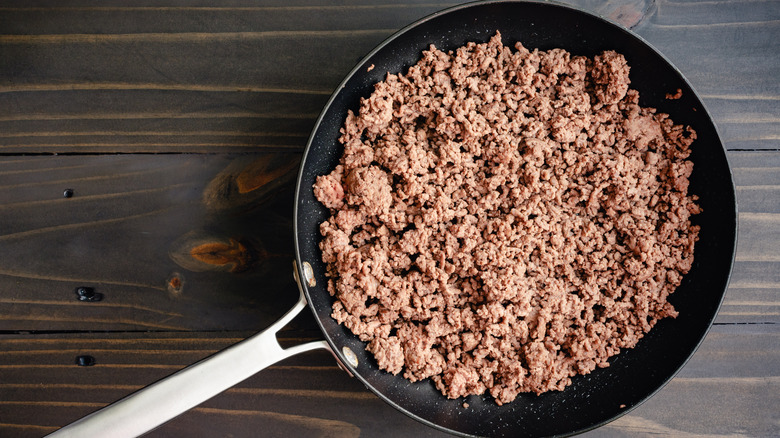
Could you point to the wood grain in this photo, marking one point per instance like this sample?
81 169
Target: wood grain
52 389
120 232
179 127
108 236
90 81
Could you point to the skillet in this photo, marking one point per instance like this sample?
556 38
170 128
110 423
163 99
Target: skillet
590 401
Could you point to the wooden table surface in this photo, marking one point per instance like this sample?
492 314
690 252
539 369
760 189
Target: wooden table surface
178 127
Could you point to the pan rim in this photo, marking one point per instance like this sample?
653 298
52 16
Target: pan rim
306 154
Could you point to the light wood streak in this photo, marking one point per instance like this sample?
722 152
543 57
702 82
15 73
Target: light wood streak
305 368
83 179
98 364
752 303
745 119
189 37
29 426
37 276
773 217
225 8
771 380
156 352
756 169
90 320
148 145
158 366
125 86
89 198
709 26
153 133
43 170
55 404
142 116
759 187
749 285
759 138
740 96
276 392
103 341
75 303
707 2
79 386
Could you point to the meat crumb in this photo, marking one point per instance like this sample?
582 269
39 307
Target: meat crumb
677 95
504 219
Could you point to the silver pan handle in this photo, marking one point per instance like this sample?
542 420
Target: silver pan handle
152 406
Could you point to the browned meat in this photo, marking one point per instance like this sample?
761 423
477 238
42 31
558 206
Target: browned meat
503 220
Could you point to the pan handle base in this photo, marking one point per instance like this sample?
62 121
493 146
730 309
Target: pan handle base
164 400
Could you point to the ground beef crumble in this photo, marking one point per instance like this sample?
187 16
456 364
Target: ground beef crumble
503 220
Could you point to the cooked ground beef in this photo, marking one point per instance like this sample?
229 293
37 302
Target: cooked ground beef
503 220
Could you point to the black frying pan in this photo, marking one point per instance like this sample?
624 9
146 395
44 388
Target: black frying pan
634 375
592 400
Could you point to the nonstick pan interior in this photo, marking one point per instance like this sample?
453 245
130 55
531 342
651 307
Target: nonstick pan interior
635 374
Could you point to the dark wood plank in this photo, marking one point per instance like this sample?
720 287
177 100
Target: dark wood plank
225 78
735 68
729 387
234 77
755 283
43 388
129 231
730 58
169 17
746 122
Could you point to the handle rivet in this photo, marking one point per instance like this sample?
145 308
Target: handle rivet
308 274
350 356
